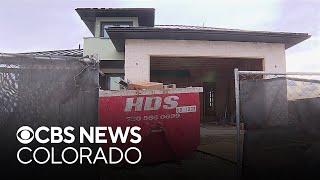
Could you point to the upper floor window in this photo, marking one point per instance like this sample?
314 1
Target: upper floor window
105 25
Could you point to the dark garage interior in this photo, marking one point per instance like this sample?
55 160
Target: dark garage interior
215 75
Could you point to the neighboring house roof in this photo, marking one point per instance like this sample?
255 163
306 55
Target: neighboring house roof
182 32
88 15
68 52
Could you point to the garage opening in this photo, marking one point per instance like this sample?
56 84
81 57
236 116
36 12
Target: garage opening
215 75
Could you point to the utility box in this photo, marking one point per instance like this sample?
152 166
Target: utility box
169 119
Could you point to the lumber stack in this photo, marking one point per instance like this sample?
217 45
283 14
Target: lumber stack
150 86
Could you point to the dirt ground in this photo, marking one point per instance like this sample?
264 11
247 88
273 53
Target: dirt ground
214 158
219 141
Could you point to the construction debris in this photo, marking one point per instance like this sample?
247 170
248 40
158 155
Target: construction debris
149 86
145 85
170 86
123 83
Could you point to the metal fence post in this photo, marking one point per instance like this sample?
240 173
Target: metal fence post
238 144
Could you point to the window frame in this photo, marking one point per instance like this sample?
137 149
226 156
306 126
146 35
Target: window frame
113 24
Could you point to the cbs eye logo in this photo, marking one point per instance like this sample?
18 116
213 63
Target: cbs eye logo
25 134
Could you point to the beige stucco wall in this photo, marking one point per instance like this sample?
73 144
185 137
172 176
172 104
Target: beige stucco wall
102 48
138 52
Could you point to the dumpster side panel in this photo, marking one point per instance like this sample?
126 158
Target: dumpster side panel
170 123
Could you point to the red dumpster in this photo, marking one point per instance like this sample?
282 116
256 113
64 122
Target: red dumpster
169 119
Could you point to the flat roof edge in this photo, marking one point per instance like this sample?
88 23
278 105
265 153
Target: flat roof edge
118 36
148 29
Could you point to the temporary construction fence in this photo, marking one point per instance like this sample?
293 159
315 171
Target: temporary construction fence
45 91
281 116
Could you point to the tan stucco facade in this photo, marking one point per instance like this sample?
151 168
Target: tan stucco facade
138 53
101 48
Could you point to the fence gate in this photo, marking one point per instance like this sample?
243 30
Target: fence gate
281 117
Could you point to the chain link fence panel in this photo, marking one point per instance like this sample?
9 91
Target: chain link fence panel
44 91
281 116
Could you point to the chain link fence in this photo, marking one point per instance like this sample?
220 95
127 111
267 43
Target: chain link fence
281 118
47 90
44 91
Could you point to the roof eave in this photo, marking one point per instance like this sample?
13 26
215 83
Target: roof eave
118 36
88 15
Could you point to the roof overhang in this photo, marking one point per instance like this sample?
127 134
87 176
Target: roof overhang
88 15
119 35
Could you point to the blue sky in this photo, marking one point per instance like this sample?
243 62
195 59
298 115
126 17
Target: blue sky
36 25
